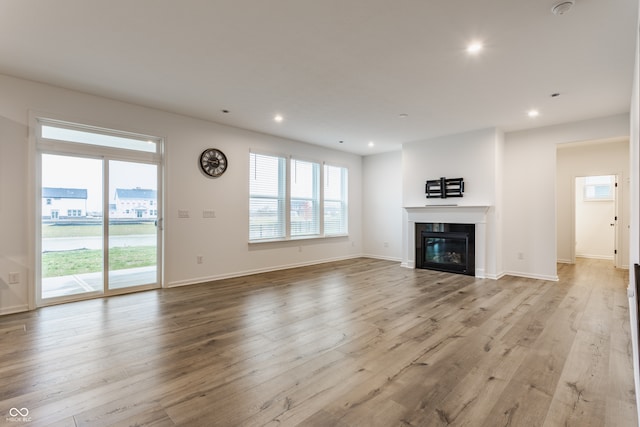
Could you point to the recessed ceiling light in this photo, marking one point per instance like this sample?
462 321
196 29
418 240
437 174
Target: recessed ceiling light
474 48
403 115
278 118
533 113
562 7
371 144
341 142
225 111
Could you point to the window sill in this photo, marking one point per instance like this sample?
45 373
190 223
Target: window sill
297 239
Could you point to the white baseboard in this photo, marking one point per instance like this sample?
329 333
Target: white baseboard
205 279
384 258
480 273
531 276
589 256
495 276
14 309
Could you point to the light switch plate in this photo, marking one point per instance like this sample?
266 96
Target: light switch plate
14 278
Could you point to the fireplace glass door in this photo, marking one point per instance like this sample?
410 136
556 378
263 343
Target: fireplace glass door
446 247
446 250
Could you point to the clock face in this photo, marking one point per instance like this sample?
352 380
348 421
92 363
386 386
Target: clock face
213 162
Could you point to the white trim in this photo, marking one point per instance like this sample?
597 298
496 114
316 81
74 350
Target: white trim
205 279
589 256
496 276
14 309
34 201
318 190
297 239
531 276
459 214
39 146
384 258
617 232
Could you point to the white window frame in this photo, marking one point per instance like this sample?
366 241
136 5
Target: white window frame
315 199
590 193
282 201
344 201
318 189
40 145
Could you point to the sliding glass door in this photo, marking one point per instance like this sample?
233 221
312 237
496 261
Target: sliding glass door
100 211
133 219
72 237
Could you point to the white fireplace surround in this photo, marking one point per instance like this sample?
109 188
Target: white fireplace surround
447 214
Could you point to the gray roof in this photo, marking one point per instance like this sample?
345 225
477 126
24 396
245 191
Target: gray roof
136 193
64 193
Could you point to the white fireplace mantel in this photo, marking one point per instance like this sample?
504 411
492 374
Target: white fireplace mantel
459 214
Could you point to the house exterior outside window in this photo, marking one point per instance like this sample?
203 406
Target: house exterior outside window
56 202
134 203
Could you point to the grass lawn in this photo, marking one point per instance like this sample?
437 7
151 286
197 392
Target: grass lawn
65 263
96 230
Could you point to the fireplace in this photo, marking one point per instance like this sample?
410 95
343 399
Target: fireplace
446 247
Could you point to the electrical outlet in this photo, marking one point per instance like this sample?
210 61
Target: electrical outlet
520 256
14 278
183 213
208 213
386 244
199 259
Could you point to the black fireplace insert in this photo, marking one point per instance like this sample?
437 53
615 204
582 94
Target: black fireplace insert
446 247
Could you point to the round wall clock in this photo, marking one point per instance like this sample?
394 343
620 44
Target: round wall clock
213 162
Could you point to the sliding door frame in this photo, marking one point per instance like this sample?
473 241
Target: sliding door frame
39 146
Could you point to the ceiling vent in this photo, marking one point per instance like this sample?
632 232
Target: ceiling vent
562 7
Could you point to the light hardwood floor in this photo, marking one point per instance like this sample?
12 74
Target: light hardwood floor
354 343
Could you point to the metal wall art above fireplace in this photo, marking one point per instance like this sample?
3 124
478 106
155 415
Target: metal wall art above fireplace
446 247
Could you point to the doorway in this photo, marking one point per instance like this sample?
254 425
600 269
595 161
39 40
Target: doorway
596 218
98 230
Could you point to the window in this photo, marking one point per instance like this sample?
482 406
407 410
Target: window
267 197
599 187
58 131
305 198
335 200
286 199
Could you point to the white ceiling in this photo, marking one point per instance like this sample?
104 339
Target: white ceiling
334 69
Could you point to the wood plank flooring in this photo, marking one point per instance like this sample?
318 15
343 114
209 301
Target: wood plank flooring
353 343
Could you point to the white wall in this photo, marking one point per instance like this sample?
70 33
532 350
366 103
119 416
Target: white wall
584 159
475 156
495 226
470 155
595 238
221 241
634 226
382 205
529 213
13 209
